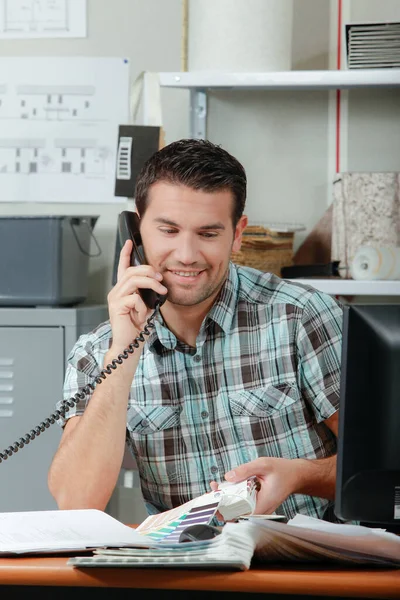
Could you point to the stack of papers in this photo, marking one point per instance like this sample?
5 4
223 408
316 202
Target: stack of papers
49 531
59 531
373 45
302 540
109 543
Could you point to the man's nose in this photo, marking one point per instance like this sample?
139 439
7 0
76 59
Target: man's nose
186 251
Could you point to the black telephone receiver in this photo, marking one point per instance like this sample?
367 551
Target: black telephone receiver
128 228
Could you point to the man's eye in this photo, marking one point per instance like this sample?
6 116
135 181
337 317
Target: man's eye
209 234
165 230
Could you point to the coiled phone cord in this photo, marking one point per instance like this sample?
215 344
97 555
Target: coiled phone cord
81 394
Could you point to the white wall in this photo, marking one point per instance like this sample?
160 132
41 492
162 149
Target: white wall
373 115
374 10
281 138
148 32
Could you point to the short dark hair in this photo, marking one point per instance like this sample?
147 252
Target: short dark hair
198 164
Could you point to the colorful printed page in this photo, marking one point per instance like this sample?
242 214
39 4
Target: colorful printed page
168 526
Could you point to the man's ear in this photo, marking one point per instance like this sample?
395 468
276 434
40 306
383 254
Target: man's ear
240 227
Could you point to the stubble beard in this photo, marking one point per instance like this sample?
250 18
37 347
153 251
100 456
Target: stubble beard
189 298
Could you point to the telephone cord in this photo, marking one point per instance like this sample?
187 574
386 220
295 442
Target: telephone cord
81 394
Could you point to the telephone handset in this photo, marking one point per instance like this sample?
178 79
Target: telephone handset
128 226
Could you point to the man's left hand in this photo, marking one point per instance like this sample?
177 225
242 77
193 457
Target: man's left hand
277 477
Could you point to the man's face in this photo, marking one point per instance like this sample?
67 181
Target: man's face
188 236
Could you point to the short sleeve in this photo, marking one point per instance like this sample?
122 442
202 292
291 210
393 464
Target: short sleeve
84 364
319 344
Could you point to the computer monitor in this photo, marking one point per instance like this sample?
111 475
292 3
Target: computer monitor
368 461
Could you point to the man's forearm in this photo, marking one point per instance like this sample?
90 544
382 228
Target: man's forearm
316 477
86 466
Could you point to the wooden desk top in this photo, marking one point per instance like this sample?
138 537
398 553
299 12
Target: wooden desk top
54 571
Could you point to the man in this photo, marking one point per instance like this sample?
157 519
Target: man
240 376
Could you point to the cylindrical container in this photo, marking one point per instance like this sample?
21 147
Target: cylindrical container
240 35
376 263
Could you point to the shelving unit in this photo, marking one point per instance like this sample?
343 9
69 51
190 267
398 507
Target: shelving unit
350 287
199 83
283 80
202 81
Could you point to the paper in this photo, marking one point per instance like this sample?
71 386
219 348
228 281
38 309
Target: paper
351 540
237 499
42 19
40 531
167 526
226 551
231 500
59 121
311 541
61 530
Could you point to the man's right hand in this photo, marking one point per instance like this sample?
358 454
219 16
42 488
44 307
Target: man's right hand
127 311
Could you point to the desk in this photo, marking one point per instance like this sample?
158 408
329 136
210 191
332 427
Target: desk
20 576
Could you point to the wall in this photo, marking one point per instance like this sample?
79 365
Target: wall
374 10
286 139
373 115
281 138
148 32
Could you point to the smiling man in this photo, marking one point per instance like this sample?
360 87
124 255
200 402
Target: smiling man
239 377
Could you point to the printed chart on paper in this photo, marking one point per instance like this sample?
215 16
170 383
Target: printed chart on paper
59 122
42 18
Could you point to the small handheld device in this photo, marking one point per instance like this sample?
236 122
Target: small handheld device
129 229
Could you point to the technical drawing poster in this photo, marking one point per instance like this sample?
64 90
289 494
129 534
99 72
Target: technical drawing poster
42 18
59 121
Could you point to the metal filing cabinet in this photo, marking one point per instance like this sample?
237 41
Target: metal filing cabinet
34 345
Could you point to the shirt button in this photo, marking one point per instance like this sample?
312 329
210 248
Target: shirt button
197 358
214 469
144 423
204 414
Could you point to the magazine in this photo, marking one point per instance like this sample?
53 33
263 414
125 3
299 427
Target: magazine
245 543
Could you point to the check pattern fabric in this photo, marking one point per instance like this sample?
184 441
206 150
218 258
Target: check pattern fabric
262 379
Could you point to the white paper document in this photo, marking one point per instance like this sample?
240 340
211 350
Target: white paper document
42 19
264 542
59 121
63 530
116 544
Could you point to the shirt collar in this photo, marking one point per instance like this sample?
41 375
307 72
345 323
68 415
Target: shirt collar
161 335
222 313
223 310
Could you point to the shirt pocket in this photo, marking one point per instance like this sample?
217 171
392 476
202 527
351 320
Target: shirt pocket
264 401
153 433
147 420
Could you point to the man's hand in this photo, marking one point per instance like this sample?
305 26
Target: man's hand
281 477
276 477
128 313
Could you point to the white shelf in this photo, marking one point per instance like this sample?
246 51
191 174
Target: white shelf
350 287
303 80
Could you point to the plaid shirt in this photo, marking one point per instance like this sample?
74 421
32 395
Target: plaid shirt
262 379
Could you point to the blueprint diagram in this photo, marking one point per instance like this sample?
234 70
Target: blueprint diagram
59 121
42 18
